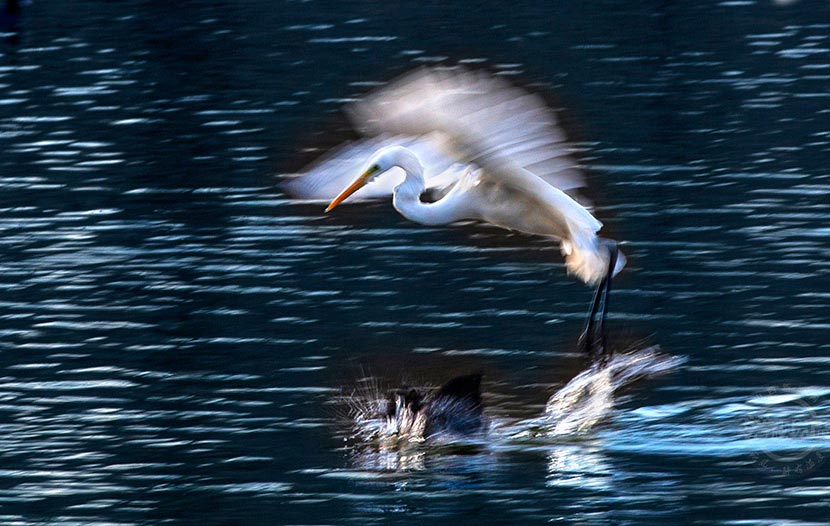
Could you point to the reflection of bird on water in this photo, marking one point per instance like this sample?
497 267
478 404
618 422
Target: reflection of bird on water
480 149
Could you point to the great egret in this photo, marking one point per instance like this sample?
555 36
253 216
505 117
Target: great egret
482 150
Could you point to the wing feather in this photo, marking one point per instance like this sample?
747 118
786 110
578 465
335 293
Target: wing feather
507 132
481 114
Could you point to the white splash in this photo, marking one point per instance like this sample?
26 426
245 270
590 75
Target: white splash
382 441
589 397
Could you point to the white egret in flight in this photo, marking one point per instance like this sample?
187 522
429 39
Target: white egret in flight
476 148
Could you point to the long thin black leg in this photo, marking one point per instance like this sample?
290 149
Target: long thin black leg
599 350
586 339
612 264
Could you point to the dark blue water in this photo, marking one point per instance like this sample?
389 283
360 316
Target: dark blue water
175 332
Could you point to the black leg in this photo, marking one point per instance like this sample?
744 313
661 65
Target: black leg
607 353
586 339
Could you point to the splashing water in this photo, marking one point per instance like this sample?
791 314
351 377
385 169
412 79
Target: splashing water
589 397
380 439
395 441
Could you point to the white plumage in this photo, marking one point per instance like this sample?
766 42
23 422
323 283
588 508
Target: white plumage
486 150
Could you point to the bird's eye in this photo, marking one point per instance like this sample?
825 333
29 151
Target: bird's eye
372 172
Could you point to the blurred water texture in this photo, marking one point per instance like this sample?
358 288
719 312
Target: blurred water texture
176 332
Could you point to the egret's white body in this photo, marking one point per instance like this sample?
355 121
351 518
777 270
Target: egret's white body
485 150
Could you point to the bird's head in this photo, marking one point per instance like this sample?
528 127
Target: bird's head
382 161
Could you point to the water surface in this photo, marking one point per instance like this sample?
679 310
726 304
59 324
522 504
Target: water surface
176 331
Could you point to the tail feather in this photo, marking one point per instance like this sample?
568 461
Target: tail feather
587 258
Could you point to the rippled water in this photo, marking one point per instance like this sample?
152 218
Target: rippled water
176 333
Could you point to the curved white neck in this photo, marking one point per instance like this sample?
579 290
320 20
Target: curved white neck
407 201
407 196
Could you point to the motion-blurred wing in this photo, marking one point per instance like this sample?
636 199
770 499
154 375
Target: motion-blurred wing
485 117
333 172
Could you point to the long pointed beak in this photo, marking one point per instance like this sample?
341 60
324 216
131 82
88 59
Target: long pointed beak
358 183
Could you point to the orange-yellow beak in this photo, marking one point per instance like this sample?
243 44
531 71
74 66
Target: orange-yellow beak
358 183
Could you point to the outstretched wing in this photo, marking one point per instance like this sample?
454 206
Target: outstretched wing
507 132
333 172
484 116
